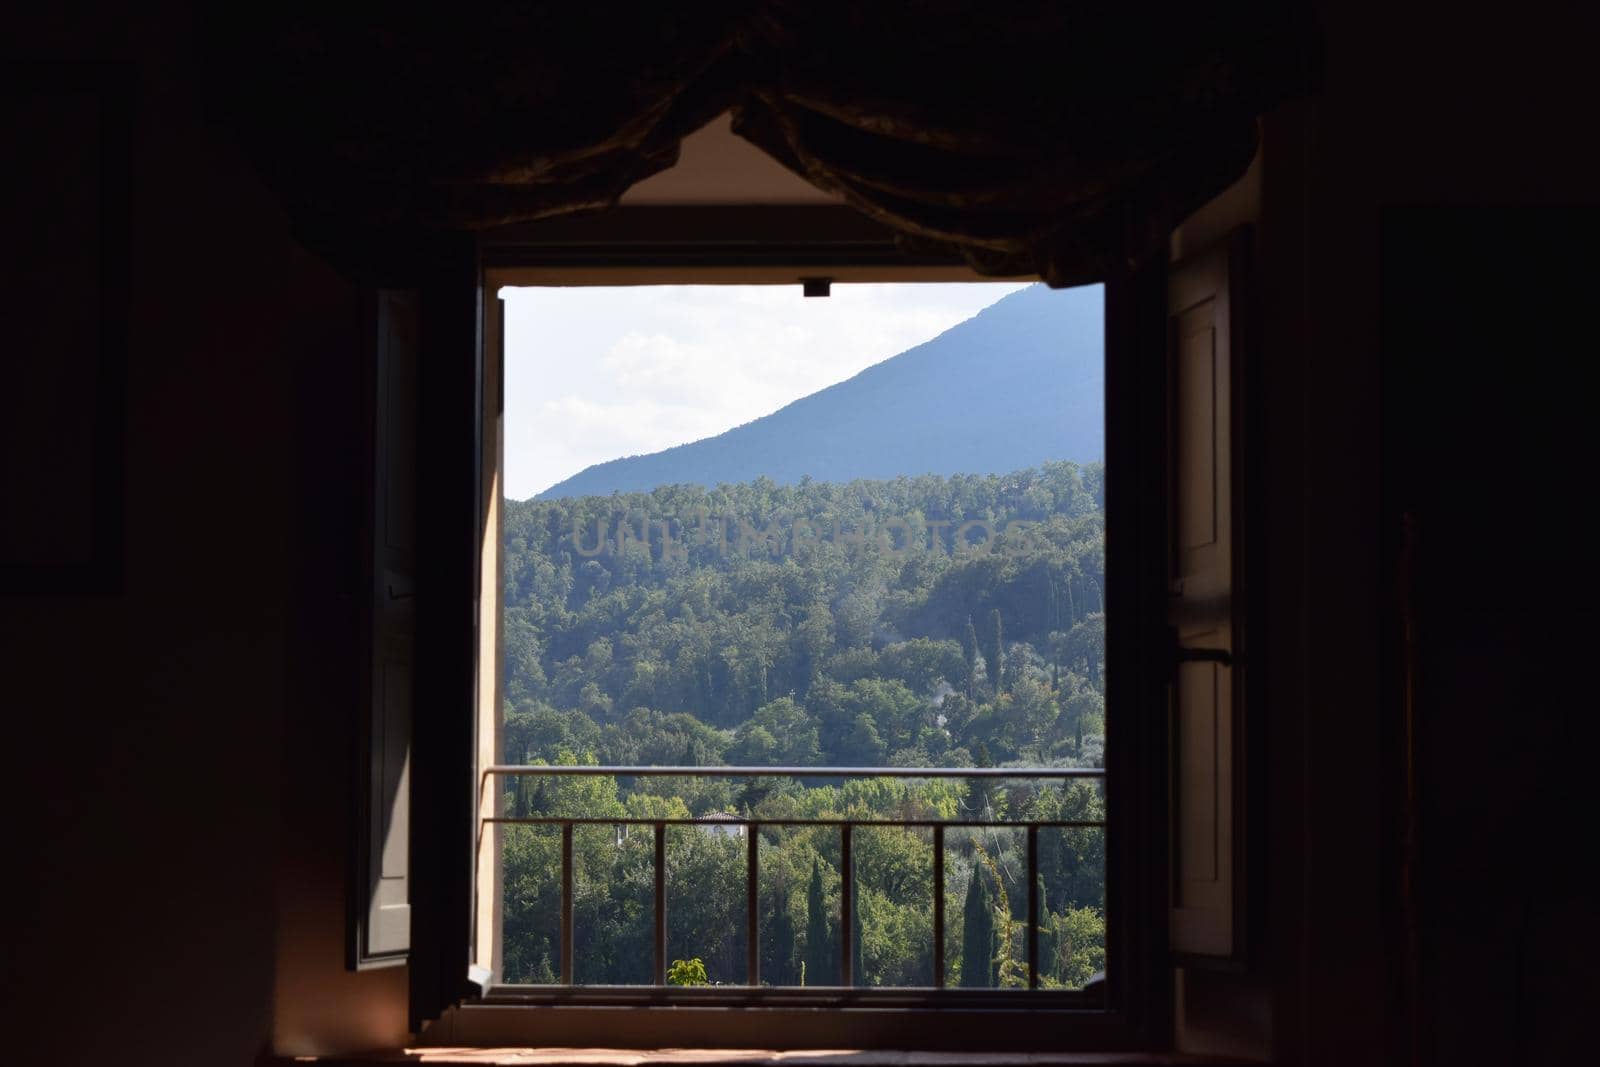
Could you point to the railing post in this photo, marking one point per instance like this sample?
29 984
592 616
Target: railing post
752 910
567 940
938 907
1033 905
659 936
847 870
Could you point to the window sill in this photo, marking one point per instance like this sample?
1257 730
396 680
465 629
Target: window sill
603 1057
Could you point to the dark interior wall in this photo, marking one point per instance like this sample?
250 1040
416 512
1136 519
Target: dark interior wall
1421 105
205 706
1488 440
166 744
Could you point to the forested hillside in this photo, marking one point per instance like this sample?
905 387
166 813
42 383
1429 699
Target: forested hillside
1020 383
927 621
819 623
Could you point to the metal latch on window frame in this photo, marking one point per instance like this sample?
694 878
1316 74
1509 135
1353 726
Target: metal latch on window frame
1178 653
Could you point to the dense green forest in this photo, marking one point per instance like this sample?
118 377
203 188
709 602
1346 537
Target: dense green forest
922 621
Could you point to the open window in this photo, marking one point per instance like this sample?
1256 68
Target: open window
472 792
935 997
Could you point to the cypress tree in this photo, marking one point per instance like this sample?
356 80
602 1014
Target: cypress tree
969 652
980 791
858 967
822 968
994 649
977 935
1046 932
779 967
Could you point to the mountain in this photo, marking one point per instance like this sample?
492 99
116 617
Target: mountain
1021 382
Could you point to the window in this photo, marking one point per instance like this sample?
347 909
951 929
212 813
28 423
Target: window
890 1000
773 531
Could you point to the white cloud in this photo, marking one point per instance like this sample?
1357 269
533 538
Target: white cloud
596 373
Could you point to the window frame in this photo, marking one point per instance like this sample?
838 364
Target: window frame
459 385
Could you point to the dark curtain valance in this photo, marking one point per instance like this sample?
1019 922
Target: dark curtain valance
1033 137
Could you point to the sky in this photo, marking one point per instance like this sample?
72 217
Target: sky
596 373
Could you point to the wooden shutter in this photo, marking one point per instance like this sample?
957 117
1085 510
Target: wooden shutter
1207 863
449 538
384 926
488 887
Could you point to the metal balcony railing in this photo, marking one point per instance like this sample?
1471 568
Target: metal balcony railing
752 826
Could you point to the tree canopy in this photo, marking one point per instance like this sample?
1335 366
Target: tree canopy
919 621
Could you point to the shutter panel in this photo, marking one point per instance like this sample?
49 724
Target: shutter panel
386 924
488 887
1206 739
